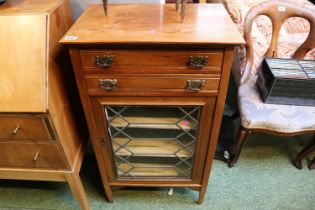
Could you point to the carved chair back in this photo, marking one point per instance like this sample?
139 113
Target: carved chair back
278 11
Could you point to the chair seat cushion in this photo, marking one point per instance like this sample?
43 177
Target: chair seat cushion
281 118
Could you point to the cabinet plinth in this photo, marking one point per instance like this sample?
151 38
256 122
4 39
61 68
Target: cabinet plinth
153 90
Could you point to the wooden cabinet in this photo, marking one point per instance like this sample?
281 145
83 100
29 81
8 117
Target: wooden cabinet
153 90
42 130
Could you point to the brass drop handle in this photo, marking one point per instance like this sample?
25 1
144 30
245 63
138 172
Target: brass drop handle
36 156
197 61
195 85
16 129
104 60
107 84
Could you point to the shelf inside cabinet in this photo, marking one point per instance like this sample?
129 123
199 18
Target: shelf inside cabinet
152 147
154 167
153 122
148 170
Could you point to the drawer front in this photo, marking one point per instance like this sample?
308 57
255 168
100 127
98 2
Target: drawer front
152 61
30 156
25 127
149 83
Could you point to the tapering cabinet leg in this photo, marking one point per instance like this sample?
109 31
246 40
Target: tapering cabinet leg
108 192
241 138
304 153
77 189
202 194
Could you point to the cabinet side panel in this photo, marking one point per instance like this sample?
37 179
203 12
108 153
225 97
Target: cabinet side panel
22 63
217 118
63 101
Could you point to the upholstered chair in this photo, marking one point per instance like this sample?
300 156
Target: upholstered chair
256 116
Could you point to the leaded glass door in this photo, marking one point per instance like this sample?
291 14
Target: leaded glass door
153 141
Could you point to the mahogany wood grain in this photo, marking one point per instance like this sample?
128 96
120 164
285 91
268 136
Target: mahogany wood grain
214 70
103 142
101 160
217 118
206 24
151 83
206 122
152 61
208 105
151 70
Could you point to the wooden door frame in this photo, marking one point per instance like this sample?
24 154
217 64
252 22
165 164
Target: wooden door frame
203 136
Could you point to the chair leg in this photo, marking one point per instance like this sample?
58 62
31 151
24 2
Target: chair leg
235 116
241 138
311 165
303 153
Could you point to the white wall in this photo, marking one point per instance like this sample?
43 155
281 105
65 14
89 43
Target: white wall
79 5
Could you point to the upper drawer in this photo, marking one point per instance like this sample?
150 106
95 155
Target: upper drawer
128 61
25 127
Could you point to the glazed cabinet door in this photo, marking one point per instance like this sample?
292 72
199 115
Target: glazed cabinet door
154 138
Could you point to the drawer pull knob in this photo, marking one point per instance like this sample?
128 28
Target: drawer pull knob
16 129
104 60
197 61
36 156
195 85
107 84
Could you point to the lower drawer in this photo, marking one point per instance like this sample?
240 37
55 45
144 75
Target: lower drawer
30 156
152 83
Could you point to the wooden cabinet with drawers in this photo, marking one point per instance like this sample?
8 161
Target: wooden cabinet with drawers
153 90
42 127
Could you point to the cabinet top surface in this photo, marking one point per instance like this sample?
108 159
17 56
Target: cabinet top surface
15 7
154 24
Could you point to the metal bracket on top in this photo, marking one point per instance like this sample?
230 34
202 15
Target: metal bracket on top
182 11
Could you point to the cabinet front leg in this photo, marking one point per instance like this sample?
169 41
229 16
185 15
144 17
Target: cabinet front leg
77 189
202 193
108 192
